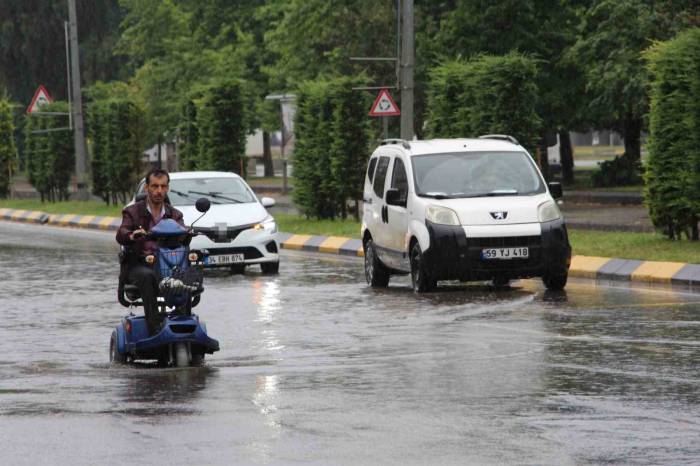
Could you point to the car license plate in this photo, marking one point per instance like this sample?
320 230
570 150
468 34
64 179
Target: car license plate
505 253
222 259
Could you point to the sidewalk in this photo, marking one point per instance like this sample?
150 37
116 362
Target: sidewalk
676 274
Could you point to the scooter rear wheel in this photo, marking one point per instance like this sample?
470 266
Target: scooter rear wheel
115 357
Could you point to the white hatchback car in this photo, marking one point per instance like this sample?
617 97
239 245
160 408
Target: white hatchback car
237 230
464 209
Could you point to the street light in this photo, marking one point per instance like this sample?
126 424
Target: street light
285 100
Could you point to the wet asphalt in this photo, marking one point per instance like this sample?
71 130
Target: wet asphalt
316 368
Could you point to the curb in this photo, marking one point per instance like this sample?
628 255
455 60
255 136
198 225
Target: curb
677 274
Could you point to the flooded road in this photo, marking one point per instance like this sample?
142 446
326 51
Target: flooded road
316 368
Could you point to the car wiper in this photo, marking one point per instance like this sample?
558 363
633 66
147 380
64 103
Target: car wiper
435 195
180 193
217 196
502 192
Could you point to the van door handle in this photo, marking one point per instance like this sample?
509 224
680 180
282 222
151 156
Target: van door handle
367 201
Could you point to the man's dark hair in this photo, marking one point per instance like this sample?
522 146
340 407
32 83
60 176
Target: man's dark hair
158 172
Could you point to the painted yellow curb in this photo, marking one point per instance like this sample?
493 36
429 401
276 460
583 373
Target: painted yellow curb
296 242
105 223
332 244
85 220
34 215
586 266
660 272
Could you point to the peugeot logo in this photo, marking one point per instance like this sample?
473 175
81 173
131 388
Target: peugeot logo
499 215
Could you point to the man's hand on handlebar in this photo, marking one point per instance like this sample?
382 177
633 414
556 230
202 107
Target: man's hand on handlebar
136 234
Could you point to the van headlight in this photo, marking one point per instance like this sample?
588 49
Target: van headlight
548 211
267 224
441 215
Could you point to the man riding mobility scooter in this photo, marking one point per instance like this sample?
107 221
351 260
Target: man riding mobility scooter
182 338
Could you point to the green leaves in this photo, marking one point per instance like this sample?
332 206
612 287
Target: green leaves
331 146
673 169
8 150
49 154
485 95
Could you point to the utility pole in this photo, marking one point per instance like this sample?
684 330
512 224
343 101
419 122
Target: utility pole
408 54
77 107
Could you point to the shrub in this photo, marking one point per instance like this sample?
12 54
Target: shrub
672 177
8 150
487 94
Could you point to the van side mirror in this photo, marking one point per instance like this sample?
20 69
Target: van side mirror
140 197
555 190
394 197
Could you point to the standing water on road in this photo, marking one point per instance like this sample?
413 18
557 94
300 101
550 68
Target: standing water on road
317 368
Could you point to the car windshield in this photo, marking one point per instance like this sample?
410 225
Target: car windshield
475 174
184 192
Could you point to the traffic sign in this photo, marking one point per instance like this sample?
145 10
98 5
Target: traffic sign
384 105
41 98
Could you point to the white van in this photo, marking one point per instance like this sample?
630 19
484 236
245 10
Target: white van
461 209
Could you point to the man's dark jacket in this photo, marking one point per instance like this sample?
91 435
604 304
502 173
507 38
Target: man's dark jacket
137 216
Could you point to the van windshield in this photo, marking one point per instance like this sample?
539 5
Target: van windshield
476 174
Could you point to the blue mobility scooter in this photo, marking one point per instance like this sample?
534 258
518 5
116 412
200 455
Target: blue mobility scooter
182 340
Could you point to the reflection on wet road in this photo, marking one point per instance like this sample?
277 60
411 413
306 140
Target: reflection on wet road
316 368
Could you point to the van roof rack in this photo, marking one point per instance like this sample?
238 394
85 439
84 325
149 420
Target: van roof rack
403 142
500 137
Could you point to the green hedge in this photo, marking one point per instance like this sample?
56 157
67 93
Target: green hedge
672 177
214 128
117 134
485 95
8 150
331 147
49 155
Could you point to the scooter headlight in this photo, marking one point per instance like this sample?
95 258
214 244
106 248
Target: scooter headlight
441 215
548 211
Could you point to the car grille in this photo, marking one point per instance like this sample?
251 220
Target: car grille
223 235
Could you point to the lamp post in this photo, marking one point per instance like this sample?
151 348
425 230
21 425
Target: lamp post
285 101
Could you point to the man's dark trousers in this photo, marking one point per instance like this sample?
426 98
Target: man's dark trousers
146 280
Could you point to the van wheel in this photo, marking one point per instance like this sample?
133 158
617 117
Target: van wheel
376 274
555 282
420 275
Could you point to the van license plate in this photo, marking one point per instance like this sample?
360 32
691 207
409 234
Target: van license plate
226 259
505 253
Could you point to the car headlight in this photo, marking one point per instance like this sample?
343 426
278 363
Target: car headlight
441 215
267 224
548 211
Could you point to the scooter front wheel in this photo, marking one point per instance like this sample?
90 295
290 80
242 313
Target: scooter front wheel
182 355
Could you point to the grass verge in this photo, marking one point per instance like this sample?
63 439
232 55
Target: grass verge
67 207
622 245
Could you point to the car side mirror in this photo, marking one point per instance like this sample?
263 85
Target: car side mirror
140 197
394 197
267 201
202 204
555 190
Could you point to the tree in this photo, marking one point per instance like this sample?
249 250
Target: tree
541 29
672 175
8 150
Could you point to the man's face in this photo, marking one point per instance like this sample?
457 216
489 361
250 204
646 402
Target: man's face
157 189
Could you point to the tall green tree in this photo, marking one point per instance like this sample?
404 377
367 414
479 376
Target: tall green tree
8 150
672 175
612 36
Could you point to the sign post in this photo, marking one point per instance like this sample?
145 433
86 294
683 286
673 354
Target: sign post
384 106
